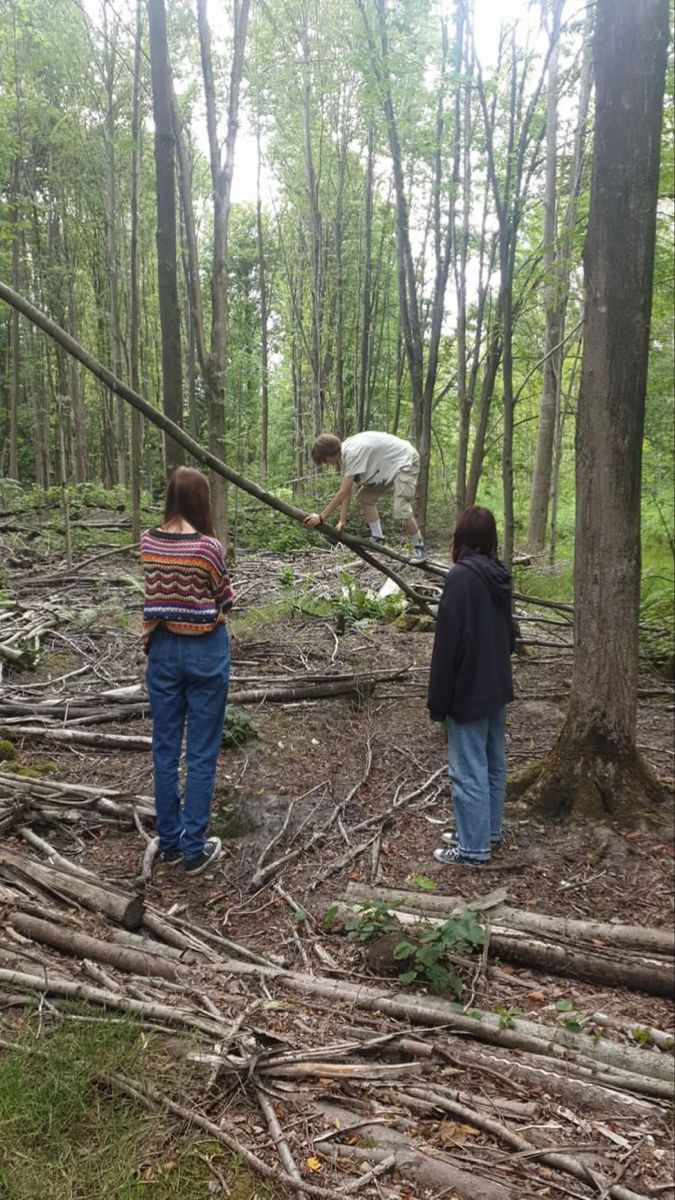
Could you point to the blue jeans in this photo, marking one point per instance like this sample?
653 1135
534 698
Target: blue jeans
187 683
477 768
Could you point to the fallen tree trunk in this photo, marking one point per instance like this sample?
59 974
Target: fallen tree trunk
654 1072
579 1086
425 1172
94 894
70 941
654 976
78 737
52 985
638 937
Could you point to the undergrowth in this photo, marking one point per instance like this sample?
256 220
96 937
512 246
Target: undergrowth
426 949
68 1134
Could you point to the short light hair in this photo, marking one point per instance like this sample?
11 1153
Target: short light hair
326 446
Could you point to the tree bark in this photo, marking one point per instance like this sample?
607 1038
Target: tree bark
221 182
135 307
557 262
169 315
264 318
94 894
594 765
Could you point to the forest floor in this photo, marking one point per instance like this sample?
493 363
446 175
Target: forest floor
307 776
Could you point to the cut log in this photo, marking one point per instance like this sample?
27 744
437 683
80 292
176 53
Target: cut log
121 906
638 937
654 1072
83 946
655 976
421 1169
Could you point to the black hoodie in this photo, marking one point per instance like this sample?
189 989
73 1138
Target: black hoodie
471 661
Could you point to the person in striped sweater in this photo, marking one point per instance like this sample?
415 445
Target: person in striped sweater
187 593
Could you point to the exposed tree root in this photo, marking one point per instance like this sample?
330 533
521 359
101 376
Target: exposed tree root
591 774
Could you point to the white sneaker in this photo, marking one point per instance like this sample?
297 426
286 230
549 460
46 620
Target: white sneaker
419 553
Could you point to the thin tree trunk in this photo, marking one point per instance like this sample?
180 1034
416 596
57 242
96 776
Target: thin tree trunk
134 319
494 354
15 340
264 317
541 478
120 457
169 315
221 180
366 301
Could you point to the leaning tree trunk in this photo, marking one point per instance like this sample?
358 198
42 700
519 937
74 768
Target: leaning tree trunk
595 765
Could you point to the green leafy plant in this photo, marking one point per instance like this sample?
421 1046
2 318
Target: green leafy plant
237 729
507 1016
427 949
642 1036
430 958
357 604
573 1021
421 882
373 920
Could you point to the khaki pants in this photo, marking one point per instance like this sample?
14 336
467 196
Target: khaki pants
404 485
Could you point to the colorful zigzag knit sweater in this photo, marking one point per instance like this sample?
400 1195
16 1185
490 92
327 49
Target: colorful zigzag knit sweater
187 588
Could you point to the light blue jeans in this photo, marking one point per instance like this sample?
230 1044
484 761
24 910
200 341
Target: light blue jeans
477 768
187 684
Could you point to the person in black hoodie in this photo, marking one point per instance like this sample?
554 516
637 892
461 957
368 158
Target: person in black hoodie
470 685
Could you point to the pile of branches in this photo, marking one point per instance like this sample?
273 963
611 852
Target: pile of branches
397 1088
65 718
21 628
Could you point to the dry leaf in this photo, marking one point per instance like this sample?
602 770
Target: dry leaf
453 1134
313 1164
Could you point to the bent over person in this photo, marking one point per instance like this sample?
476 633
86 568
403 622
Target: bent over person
376 462
187 593
470 685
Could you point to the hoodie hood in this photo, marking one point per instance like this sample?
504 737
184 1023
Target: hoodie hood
494 575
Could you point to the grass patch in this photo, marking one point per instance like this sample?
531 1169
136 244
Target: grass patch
66 1135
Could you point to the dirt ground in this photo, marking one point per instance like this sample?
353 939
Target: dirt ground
362 751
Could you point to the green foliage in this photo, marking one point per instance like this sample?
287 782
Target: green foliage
67 1134
237 728
421 882
642 1036
507 1016
8 751
573 1022
427 947
373 920
356 604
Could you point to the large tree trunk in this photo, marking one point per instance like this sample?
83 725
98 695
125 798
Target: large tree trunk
169 315
595 764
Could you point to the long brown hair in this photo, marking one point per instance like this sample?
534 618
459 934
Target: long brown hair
475 533
188 497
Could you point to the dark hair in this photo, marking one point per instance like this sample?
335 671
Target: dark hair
327 445
188 496
475 533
